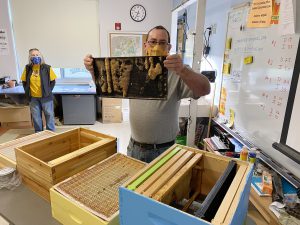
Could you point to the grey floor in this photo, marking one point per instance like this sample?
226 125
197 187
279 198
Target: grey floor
23 207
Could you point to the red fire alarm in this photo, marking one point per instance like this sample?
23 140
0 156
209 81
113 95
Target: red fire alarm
117 26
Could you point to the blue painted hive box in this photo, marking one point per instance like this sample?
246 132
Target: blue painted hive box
187 186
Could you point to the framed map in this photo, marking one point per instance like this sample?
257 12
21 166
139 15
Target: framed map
126 44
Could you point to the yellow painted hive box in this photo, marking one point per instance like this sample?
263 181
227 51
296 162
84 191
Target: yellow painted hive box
7 149
45 163
91 197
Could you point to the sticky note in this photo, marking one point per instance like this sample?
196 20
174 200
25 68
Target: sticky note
248 60
226 68
222 108
228 43
231 119
223 93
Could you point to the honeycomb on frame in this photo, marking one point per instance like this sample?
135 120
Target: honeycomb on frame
142 77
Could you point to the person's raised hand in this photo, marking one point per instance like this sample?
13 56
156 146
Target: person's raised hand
174 63
88 63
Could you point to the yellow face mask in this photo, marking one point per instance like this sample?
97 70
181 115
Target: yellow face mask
157 50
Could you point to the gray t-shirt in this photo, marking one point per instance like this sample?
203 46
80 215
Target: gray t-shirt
156 121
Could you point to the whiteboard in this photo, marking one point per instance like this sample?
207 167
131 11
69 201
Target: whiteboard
257 93
293 132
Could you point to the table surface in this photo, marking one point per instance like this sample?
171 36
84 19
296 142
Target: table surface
78 89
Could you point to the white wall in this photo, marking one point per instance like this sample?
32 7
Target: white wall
63 30
158 12
28 18
8 63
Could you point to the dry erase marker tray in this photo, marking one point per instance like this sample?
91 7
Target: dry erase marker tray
142 77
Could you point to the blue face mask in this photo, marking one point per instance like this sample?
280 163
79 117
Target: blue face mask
36 60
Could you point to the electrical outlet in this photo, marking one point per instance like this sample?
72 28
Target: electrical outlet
214 28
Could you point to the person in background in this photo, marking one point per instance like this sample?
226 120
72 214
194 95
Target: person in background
38 81
154 123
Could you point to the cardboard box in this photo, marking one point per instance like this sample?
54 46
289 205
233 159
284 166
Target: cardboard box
45 163
111 110
98 203
195 178
7 149
15 114
14 125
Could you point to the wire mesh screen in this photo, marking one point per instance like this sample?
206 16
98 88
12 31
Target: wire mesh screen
96 188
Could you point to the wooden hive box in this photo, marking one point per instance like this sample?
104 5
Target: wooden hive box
7 149
45 163
91 196
188 174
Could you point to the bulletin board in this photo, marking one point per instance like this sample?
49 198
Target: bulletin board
257 74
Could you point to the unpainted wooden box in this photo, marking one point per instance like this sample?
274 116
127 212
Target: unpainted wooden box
7 149
200 171
45 163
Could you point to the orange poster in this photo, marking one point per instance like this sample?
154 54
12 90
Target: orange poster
260 14
275 13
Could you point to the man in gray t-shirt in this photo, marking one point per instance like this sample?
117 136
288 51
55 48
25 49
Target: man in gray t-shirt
154 123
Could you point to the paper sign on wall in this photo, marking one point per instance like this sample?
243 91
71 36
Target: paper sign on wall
287 17
275 11
260 14
3 42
